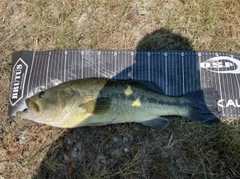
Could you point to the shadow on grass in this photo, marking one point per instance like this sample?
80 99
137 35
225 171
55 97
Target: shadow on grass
184 150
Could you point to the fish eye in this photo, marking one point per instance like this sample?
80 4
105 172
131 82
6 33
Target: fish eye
41 94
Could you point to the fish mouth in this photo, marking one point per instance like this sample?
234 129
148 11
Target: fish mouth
32 110
31 106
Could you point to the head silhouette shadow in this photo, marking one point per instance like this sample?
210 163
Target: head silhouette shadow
162 39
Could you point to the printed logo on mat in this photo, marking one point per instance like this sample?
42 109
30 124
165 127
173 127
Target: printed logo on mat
19 73
222 64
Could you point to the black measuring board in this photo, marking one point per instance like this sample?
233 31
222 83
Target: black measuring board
176 72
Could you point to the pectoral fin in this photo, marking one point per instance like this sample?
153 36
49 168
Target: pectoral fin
97 106
159 122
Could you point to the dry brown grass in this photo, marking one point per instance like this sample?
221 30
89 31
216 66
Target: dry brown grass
185 150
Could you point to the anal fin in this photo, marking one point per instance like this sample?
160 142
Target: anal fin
158 122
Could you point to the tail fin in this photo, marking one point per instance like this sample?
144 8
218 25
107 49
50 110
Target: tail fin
203 106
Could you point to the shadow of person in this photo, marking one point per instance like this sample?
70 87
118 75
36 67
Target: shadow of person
132 150
164 39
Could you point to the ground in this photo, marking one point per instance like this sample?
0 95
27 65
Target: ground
184 150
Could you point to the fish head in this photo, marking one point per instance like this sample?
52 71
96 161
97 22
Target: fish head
52 106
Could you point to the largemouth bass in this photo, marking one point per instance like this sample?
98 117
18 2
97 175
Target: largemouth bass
95 102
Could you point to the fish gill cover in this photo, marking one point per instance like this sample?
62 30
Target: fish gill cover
176 72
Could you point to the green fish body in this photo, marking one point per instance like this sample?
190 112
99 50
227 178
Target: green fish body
95 102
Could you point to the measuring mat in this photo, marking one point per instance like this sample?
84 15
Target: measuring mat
176 72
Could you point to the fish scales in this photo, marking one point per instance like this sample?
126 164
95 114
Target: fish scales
94 102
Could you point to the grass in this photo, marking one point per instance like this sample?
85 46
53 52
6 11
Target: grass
184 150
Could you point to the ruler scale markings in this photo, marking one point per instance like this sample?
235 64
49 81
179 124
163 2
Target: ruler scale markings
159 60
90 60
142 74
236 92
68 68
148 62
58 76
52 70
170 73
86 62
174 72
88 72
180 74
140 66
173 81
190 75
220 86
120 56
153 69
65 66
132 58
193 82
231 94
216 79
79 67
161 64
36 79
48 61
174 60
35 76
183 71
83 69
125 65
61 66
70 60
192 68
115 64
39 76
138 56
205 72
194 79
120 65
42 71
43 78
166 72
137 65
200 70
93 62
30 75
238 88
227 92
57 65
75 64
174 78
36 72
